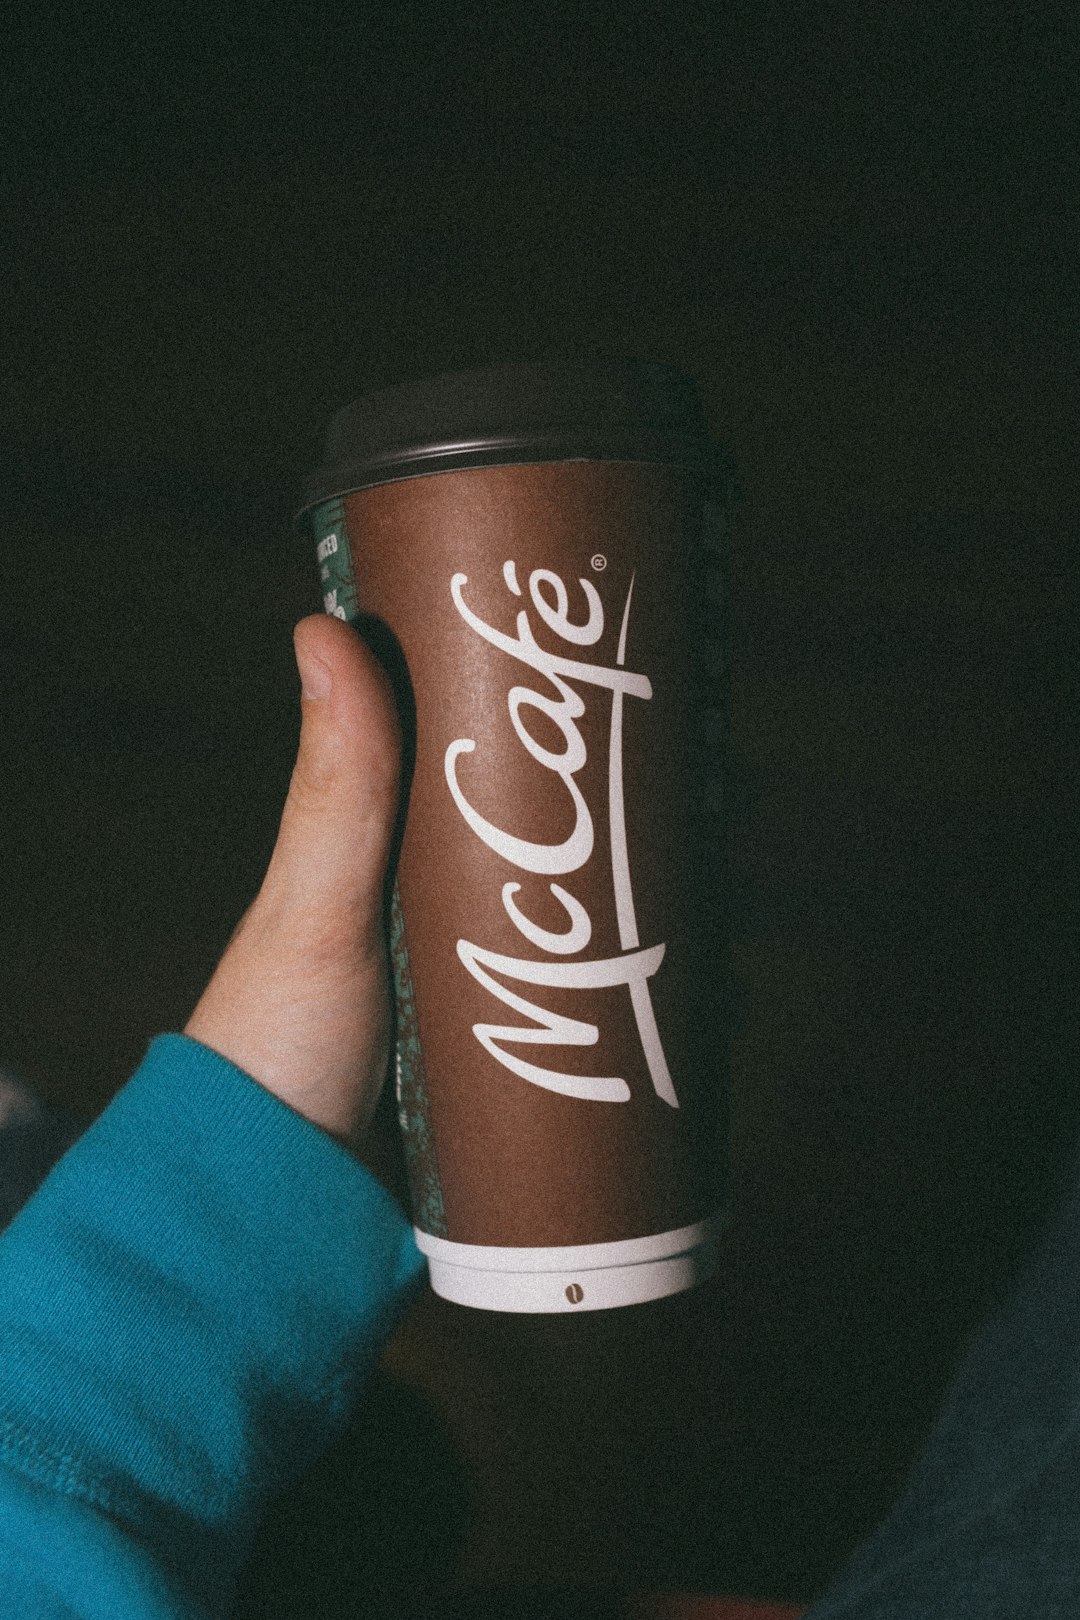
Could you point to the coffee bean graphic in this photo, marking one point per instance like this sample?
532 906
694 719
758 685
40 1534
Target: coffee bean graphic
575 1293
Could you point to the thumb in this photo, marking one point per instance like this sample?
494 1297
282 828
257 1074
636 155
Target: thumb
329 862
300 999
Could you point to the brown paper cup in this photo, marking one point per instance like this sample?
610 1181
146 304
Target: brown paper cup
556 930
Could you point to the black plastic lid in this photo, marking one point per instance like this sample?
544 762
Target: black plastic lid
618 410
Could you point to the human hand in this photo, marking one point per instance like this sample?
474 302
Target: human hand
301 998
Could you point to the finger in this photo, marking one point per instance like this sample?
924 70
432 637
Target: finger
329 862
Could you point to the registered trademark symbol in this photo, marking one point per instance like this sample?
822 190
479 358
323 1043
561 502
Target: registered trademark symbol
599 562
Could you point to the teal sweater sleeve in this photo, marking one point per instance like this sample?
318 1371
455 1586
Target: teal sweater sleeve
189 1307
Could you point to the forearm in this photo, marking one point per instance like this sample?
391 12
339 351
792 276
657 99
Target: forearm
188 1309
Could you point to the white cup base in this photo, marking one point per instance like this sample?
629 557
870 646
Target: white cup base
577 1277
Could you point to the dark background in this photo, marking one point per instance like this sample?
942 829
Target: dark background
852 226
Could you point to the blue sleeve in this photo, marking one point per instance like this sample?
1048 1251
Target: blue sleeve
189 1307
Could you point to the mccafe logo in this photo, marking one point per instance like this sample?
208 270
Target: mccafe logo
564 674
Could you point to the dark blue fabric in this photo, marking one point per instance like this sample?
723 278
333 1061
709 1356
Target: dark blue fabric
33 1135
989 1527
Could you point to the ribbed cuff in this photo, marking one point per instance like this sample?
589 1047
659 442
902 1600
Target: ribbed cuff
191 1302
